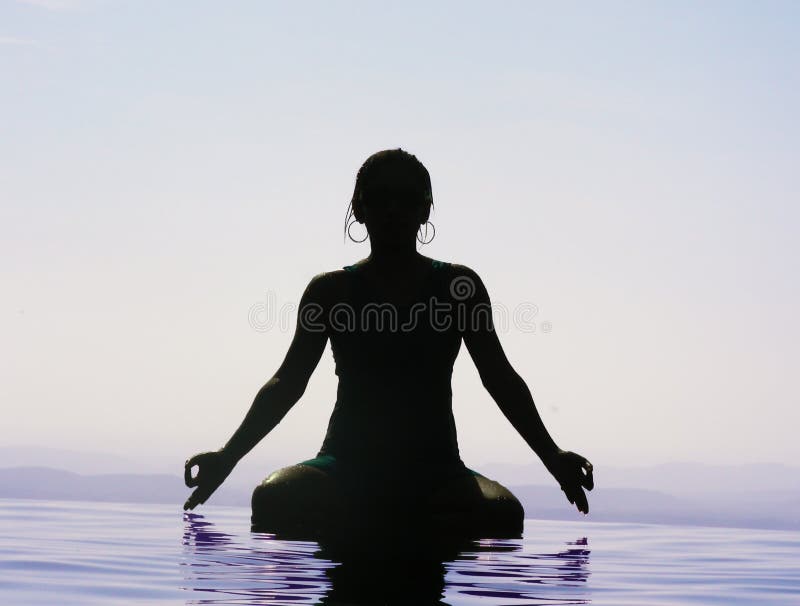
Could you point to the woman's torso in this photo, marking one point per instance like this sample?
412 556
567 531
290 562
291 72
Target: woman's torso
394 361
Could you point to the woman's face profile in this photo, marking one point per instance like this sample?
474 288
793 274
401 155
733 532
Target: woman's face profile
393 203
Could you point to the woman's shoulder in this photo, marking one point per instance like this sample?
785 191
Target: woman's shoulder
355 267
349 269
332 279
437 264
464 284
327 280
459 269
332 285
346 270
458 280
441 264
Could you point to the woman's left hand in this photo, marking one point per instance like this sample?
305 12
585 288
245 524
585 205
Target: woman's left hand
573 473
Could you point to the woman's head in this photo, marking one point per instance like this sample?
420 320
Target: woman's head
392 195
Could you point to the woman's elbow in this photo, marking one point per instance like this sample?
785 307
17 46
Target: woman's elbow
286 387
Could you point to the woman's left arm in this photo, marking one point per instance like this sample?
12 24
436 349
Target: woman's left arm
512 394
499 378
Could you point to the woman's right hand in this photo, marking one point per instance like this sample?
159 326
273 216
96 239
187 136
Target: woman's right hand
213 468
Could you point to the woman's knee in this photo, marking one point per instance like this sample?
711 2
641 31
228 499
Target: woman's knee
500 499
293 490
485 506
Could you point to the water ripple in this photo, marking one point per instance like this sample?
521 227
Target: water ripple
104 553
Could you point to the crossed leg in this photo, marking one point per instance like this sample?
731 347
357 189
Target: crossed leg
477 506
297 500
303 500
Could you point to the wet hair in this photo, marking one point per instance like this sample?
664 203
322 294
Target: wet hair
382 158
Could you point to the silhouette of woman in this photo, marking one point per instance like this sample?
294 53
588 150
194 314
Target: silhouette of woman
395 320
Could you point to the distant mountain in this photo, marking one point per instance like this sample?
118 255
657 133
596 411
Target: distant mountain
685 480
56 484
688 480
749 509
77 461
744 510
87 462
251 469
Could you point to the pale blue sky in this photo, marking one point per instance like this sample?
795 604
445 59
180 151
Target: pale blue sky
629 168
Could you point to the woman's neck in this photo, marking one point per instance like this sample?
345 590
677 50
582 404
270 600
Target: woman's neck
392 258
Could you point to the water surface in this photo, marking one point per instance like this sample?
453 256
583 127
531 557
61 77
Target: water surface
109 553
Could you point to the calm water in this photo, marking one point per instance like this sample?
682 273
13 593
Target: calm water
101 553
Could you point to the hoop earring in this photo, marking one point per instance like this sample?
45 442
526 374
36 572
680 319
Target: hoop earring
425 241
349 235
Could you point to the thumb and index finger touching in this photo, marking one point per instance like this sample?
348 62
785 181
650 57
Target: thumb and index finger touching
208 478
573 488
187 471
583 469
587 481
201 493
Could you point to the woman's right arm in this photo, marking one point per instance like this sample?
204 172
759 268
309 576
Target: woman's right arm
273 400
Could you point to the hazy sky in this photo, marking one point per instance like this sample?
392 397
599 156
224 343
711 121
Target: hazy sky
628 168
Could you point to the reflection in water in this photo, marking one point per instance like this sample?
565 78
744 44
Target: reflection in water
221 570
259 569
533 578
